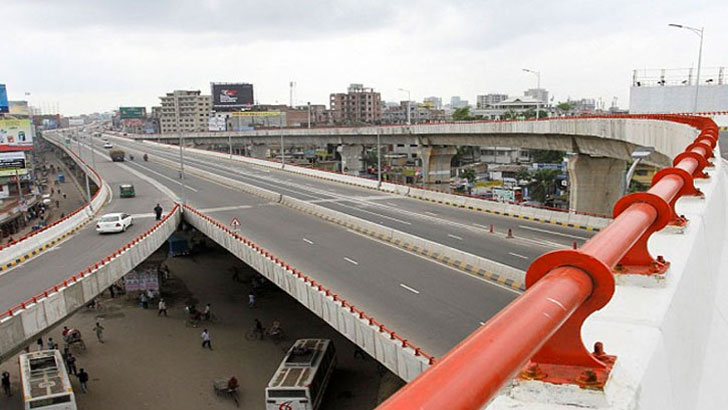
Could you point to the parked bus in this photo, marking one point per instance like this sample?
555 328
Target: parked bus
302 378
45 381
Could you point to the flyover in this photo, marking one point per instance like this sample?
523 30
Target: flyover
601 144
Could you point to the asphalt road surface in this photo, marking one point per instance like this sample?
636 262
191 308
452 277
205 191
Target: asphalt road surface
454 227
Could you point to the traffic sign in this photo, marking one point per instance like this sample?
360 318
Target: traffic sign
235 223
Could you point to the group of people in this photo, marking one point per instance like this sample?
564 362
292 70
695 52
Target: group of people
195 314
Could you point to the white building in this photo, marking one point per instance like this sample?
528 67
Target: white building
540 94
511 106
484 101
185 111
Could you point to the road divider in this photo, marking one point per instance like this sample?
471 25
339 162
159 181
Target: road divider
589 222
36 242
493 271
23 323
392 350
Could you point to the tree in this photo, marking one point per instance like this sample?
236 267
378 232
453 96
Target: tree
523 174
547 156
462 114
469 174
543 184
564 106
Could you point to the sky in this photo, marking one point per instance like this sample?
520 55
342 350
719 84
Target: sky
91 55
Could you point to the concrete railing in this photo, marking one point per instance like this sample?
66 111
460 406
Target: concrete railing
397 354
469 263
21 324
36 242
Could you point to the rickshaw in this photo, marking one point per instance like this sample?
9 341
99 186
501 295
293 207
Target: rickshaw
126 191
73 337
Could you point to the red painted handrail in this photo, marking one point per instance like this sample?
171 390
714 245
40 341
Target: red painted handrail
564 287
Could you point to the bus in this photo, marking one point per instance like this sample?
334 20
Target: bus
45 381
301 379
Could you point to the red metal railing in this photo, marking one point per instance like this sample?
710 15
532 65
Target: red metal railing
353 309
539 334
45 228
88 271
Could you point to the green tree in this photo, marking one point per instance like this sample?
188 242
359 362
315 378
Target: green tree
543 184
547 156
469 174
523 174
564 106
462 114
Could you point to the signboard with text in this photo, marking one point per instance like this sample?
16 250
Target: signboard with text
3 99
15 135
231 96
132 112
12 160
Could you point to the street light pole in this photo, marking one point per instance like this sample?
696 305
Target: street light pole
379 159
538 88
230 146
283 152
409 116
699 33
309 114
182 170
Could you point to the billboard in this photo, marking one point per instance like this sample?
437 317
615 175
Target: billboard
12 163
3 99
132 112
19 108
231 96
15 135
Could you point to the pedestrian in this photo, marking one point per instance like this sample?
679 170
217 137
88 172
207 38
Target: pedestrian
51 344
83 379
64 195
251 299
207 313
6 383
111 291
162 308
99 331
39 342
58 203
206 339
144 300
158 212
71 363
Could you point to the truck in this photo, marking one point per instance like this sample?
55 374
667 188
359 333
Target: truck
117 155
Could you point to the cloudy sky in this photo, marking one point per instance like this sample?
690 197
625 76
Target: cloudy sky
94 55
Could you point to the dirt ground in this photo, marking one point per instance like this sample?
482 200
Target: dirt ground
158 362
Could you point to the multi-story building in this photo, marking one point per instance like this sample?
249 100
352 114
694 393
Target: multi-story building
434 103
419 113
358 104
185 111
457 102
485 101
540 94
513 106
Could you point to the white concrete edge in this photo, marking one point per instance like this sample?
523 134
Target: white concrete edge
403 361
23 327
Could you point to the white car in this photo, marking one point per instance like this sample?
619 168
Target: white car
108 145
116 222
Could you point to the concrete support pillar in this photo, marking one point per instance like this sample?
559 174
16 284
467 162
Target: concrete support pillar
436 163
595 183
258 151
351 158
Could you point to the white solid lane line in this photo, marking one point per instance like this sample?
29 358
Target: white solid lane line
455 237
553 233
433 214
518 255
415 291
308 241
352 261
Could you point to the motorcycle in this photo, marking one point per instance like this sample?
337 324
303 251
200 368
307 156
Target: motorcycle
146 157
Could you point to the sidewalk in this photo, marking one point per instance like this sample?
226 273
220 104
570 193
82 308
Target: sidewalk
151 362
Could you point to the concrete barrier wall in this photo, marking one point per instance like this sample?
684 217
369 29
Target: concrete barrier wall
36 242
399 356
21 325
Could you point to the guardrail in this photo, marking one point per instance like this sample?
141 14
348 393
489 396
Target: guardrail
397 353
539 334
35 242
31 317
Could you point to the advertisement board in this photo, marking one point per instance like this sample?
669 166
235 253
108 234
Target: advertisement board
132 112
231 96
50 123
75 122
15 135
19 108
3 99
12 160
217 124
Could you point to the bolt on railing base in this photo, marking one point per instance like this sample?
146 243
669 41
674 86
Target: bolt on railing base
584 377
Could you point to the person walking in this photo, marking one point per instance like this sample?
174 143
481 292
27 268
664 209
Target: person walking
144 300
251 299
6 383
162 308
71 363
206 339
83 379
51 344
158 212
39 342
99 331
